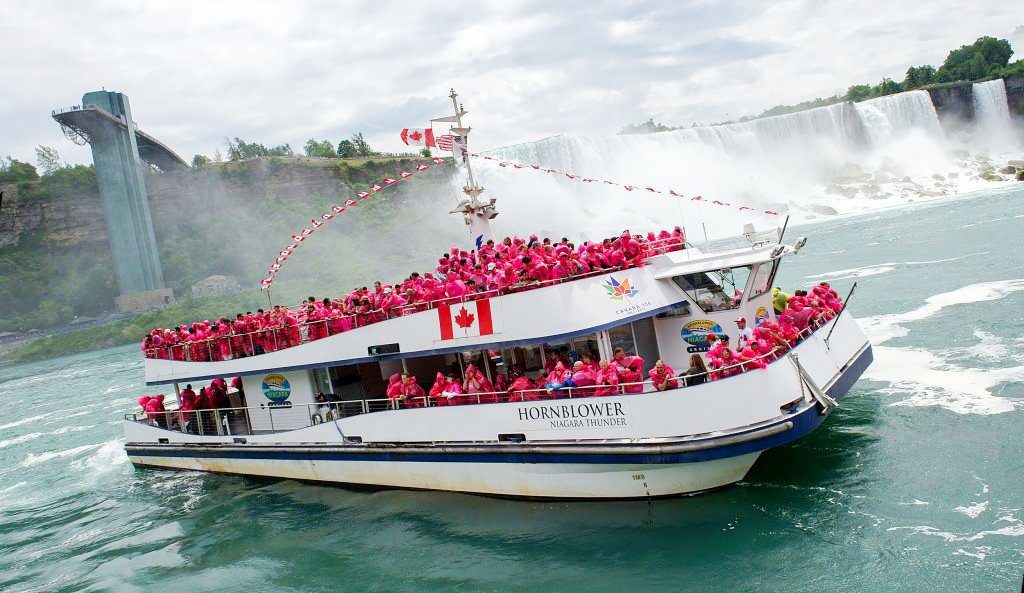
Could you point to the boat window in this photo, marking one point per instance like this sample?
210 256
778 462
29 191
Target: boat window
584 345
763 278
622 337
715 290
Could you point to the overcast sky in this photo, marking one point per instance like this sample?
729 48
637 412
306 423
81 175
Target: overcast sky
287 71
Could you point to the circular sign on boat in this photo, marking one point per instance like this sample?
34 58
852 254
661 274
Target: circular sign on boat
276 388
761 315
695 334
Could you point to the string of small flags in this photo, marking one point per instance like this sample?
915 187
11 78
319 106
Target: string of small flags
300 237
582 179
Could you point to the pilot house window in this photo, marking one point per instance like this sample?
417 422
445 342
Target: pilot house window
715 290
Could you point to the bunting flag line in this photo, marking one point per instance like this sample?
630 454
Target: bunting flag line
282 257
573 177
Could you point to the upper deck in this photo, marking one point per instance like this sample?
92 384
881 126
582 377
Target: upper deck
557 311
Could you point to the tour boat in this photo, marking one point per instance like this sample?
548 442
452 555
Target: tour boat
571 444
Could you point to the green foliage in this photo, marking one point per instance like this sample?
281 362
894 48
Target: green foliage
985 58
69 181
425 152
239 149
15 171
1013 69
322 149
201 160
858 92
362 148
47 158
346 149
918 76
784 109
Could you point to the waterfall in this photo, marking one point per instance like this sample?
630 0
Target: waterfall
992 115
847 157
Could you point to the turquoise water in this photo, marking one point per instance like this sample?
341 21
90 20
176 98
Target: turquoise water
914 484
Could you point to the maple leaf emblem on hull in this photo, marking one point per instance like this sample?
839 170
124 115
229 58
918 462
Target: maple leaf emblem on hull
464 318
618 291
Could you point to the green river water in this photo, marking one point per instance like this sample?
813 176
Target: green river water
914 484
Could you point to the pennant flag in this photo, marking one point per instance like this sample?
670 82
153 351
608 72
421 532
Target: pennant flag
628 187
772 212
418 136
742 208
503 164
535 167
696 199
316 223
517 166
307 232
445 142
280 260
351 203
375 188
293 246
362 195
338 209
652 190
672 192
610 182
422 167
405 175
298 238
388 181
438 160
571 176
285 252
275 267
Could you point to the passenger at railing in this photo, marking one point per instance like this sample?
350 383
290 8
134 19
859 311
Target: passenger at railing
779 300
453 391
663 376
715 346
748 359
557 379
584 378
412 394
477 385
394 390
697 373
590 361
436 392
746 335
187 398
155 410
607 380
630 370
522 388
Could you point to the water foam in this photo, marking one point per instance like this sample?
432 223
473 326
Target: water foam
32 459
26 420
20 439
882 328
974 510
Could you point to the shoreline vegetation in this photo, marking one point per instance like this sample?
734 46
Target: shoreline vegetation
987 58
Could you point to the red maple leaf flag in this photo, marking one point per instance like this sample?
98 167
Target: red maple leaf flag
388 181
362 195
438 160
422 167
326 216
316 223
350 203
298 238
405 175
338 208
375 188
418 136
465 320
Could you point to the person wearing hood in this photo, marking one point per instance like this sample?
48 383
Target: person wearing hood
437 390
413 394
663 376
559 378
584 378
522 389
155 410
394 390
453 391
630 369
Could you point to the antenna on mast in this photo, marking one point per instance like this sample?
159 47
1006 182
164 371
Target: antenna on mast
476 212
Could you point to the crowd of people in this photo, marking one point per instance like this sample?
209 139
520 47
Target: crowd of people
797 315
512 265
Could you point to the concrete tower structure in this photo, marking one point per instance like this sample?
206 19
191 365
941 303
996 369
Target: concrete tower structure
104 120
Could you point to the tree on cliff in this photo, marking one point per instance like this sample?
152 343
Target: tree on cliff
984 58
918 76
239 149
322 149
47 158
201 160
15 171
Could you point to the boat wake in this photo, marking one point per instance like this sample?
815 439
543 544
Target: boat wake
941 378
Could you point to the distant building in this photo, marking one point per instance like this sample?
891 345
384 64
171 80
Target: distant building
134 302
215 285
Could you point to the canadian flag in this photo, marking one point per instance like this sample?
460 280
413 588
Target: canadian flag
316 223
418 136
375 188
351 203
438 160
338 209
298 238
363 195
465 320
405 175
388 181
422 167
326 216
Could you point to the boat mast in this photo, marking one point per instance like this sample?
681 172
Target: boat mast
477 213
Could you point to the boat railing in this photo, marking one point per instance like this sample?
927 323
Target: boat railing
271 339
239 421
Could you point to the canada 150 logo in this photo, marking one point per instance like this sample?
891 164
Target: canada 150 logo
276 388
620 290
695 334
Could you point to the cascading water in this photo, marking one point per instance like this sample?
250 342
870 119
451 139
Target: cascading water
848 157
992 115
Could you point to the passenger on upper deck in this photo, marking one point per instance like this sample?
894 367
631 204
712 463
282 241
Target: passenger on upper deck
607 380
663 376
630 370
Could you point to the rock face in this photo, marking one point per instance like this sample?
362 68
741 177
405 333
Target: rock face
1015 94
60 220
955 106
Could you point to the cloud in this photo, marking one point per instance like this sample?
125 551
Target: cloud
284 72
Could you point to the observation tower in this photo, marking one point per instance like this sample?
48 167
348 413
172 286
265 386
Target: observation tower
120 151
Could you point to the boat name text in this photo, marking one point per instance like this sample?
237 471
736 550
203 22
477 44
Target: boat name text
588 415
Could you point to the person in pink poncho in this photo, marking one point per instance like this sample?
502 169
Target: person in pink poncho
476 386
522 389
630 369
413 395
663 376
394 390
437 389
607 380
584 378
